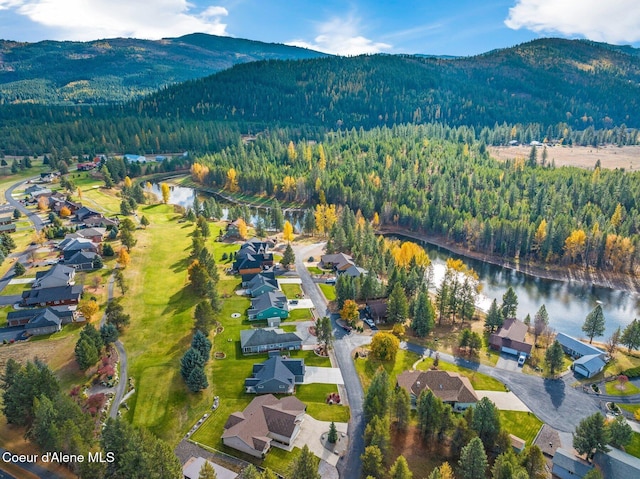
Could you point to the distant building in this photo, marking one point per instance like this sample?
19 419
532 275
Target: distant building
271 306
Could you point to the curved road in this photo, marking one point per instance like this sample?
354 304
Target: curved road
33 217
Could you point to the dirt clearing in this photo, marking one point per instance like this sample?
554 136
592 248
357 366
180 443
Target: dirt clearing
611 157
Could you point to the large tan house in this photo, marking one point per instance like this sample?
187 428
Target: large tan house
452 388
265 420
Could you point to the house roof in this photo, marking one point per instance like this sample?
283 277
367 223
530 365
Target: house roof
260 280
44 319
377 308
191 469
47 295
60 311
59 275
592 362
99 220
82 257
270 299
75 244
511 334
569 461
355 271
548 440
341 261
277 368
265 336
617 464
263 416
85 212
91 232
268 273
516 442
576 345
448 386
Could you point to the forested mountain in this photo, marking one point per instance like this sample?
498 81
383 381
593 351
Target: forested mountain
120 69
545 81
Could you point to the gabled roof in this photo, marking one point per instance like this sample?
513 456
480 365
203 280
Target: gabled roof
354 271
576 345
59 275
617 464
260 280
265 415
569 461
91 232
82 257
47 295
341 261
59 311
265 336
448 386
76 244
513 329
591 362
44 319
270 299
85 212
277 369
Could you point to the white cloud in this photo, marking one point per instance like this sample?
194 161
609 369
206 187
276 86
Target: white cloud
612 21
92 19
341 37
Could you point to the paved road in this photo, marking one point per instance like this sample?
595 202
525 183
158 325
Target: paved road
121 387
350 465
554 401
32 468
33 217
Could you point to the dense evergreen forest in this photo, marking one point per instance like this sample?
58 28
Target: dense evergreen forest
546 81
417 178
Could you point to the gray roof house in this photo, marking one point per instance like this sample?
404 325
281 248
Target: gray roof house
355 271
566 465
277 375
260 284
271 306
617 464
253 341
58 295
73 245
46 322
589 360
22 317
82 260
84 213
265 420
59 275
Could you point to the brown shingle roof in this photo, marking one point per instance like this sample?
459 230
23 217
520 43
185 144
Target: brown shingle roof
448 386
548 440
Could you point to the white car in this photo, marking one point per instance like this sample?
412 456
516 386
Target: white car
521 359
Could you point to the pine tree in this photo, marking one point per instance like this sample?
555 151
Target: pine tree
201 344
620 432
494 318
288 258
332 437
372 461
397 306
509 306
554 357
473 460
203 317
540 322
631 335
424 315
86 353
197 380
376 399
306 465
401 407
594 323
207 471
400 469
486 422
591 436
192 359
109 333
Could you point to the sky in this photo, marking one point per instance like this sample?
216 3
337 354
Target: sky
344 27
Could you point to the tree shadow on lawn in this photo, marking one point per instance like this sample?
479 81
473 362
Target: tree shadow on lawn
180 265
181 301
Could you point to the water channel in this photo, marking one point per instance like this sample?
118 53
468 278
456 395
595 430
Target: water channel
567 303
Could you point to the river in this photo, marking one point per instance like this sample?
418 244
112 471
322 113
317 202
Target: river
567 303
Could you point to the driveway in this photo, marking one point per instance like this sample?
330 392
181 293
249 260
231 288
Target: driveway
310 432
11 333
505 401
289 281
302 330
301 304
315 374
508 362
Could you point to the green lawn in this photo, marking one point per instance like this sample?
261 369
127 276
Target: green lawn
302 314
524 425
479 381
328 290
632 408
12 289
367 367
291 291
613 388
289 328
314 270
633 447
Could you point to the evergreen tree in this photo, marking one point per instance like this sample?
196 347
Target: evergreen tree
86 353
400 469
90 333
191 360
19 269
204 317
377 433
201 344
372 461
540 322
288 258
277 218
376 399
631 335
509 306
109 333
397 306
494 318
144 221
197 380
306 465
554 357
424 315
401 407
332 437
591 436
429 408
486 422
506 466
594 323
207 471
473 460
620 432
533 462
324 332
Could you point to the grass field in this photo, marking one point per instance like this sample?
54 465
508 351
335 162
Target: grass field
521 424
328 290
615 388
367 367
291 291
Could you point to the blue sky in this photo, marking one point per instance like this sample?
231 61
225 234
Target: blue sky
442 27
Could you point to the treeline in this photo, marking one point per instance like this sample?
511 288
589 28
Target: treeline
414 178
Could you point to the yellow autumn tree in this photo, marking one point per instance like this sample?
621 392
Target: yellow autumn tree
232 181
199 172
292 154
322 159
127 182
349 312
618 252
242 228
79 192
166 191
575 243
287 231
326 216
375 222
43 203
408 251
88 308
123 258
616 218
65 212
540 235
289 186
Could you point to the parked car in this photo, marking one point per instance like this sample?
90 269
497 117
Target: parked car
293 301
330 281
521 359
369 322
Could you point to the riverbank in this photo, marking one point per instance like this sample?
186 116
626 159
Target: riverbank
606 279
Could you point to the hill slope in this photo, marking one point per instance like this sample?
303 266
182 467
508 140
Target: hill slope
545 81
121 69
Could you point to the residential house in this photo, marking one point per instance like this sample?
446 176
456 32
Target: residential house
271 306
135 158
267 273
566 465
261 340
36 191
617 464
70 246
21 317
355 271
548 440
518 444
46 322
94 234
233 229
339 262
58 275
49 177
83 213
452 388
86 166
57 201
252 258
510 338
264 421
277 375
82 260
100 221
6 220
191 469
10 228
261 284
589 360
58 295
376 309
